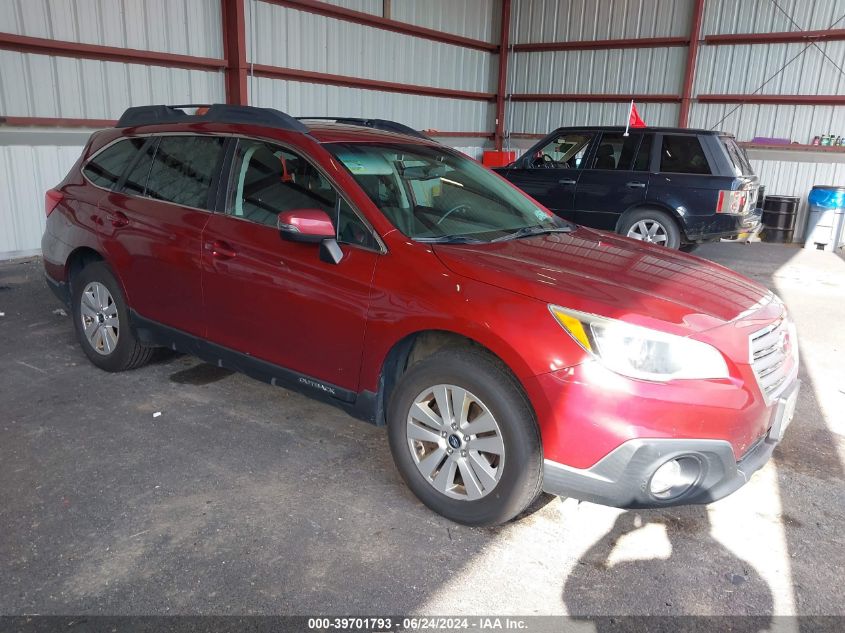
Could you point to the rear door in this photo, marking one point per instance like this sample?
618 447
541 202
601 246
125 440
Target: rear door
152 227
550 171
274 299
616 179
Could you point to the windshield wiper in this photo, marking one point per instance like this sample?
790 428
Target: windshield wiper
528 231
450 239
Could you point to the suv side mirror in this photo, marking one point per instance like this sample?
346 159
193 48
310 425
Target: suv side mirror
305 225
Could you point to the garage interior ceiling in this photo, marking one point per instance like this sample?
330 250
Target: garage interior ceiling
478 74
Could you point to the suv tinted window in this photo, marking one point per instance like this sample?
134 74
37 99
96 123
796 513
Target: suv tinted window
183 169
616 151
267 179
683 155
106 168
566 151
738 157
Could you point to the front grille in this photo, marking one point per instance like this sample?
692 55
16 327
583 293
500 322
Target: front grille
771 348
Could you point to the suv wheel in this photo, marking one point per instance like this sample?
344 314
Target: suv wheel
101 320
464 438
652 226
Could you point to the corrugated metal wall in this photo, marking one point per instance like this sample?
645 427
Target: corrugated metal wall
298 39
646 70
26 172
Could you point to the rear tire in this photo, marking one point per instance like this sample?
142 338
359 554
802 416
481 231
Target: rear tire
101 321
500 457
652 226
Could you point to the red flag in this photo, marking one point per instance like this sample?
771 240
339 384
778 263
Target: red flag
634 119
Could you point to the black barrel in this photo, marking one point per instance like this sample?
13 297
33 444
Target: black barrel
779 213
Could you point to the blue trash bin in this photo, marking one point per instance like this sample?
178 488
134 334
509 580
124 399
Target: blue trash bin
826 219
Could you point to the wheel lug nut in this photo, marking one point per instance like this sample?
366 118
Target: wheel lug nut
466 438
443 434
463 453
449 451
454 426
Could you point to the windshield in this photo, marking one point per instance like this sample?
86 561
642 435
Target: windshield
435 194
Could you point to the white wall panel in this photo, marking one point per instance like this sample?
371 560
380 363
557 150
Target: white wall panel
364 6
45 86
539 118
478 19
797 123
302 99
644 70
790 178
298 39
573 20
26 173
189 27
764 16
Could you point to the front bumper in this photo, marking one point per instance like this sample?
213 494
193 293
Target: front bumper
622 478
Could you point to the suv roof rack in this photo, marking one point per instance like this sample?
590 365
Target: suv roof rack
214 113
376 124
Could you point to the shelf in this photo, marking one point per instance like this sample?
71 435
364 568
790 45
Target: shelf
794 147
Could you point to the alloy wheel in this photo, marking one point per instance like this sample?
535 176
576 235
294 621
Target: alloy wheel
455 442
650 231
100 320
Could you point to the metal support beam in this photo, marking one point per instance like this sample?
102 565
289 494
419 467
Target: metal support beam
582 97
692 58
502 84
77 50
234 46
784 37
593 45
307 76
758 99
375 21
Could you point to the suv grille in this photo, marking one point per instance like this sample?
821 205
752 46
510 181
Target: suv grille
771 347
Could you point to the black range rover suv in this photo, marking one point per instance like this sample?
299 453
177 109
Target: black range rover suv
670 186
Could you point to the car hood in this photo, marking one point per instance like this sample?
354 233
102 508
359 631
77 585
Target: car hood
611 276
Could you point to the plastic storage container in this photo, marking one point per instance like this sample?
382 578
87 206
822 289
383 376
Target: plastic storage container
826 219
779 214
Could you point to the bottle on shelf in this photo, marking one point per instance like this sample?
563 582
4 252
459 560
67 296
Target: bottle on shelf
816 140
825 140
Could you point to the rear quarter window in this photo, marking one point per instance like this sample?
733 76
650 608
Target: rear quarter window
106 168
682 154
738 157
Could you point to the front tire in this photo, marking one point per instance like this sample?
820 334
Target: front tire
101 321
481 462
652 226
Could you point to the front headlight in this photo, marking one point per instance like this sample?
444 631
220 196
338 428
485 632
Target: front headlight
640 352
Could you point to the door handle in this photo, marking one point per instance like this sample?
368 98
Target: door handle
220 249
117 218
564 181
635 184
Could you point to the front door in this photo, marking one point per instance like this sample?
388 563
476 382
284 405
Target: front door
550 171
152 227
275 299
616 180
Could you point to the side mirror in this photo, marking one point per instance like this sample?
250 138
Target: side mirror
305 225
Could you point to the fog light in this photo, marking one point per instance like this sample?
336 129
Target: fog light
674 478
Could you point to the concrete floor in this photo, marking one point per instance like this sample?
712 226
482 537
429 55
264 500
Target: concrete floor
244 498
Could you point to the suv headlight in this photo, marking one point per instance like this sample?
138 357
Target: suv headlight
641 352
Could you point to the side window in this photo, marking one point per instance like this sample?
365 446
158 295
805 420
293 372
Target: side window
683 155
616 151
106 168
183 169
564 152
135 182
643 160
267 180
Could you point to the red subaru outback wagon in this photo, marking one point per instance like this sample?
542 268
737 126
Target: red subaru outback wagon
508 351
